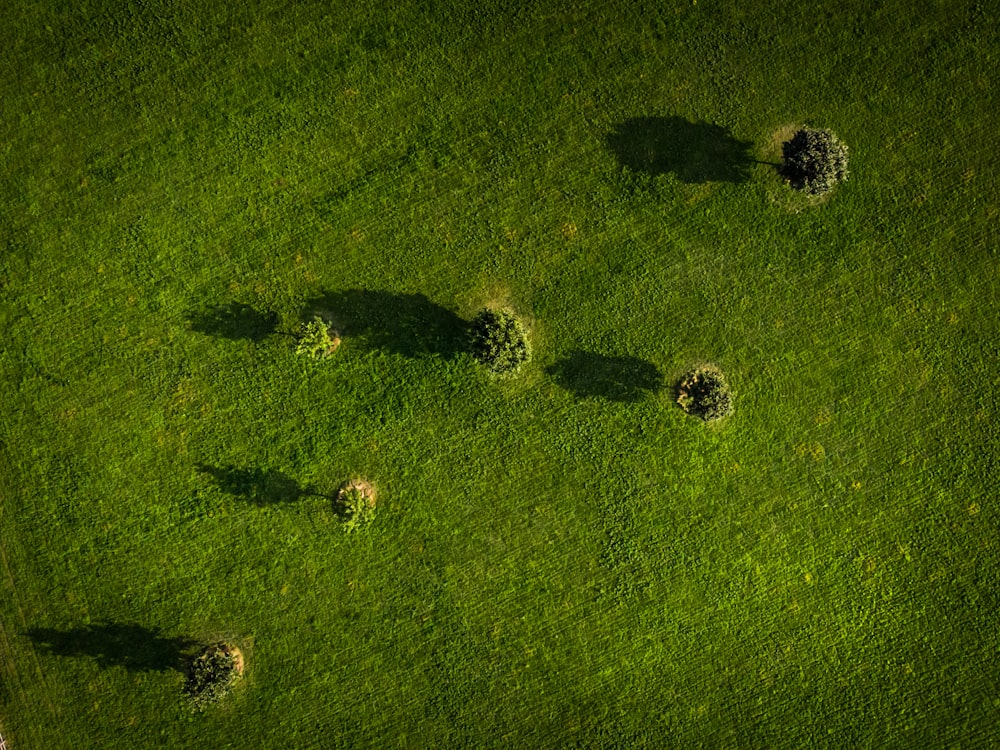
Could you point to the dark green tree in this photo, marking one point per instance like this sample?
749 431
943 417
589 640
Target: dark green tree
499 341
212 673
815 160
704 393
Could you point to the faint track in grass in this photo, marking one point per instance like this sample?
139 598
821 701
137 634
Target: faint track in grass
10 678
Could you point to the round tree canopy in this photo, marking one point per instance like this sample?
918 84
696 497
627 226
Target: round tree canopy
815 160
499 341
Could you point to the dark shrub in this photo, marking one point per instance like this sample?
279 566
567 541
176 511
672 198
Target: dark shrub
815 160
704 393
499 341
213 672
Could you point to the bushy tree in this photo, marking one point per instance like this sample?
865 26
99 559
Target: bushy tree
212 673
704 393
356 504
316 339
815 160
499 341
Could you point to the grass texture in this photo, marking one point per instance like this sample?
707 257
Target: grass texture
561 559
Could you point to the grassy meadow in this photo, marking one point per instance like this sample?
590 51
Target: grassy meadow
562 559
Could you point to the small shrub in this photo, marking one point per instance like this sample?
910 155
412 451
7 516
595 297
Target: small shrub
815 160
212 673
499 341
704 393
356 504
317 339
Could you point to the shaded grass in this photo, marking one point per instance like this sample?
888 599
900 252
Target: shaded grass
136 648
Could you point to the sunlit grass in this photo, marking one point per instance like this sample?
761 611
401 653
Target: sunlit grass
563 558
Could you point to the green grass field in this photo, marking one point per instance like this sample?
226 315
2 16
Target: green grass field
562 559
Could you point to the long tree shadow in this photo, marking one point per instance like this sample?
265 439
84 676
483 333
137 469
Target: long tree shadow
257 486
406 324
693 151
591 375
234 320
134 647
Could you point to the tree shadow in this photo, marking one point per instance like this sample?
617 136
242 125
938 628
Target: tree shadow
591 375
234 320
257 486
406 324
693 151
134 647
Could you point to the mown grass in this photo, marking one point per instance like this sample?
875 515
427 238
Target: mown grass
563 559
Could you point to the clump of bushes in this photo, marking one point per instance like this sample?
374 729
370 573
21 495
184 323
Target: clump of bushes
814 160
499 341
317 339
704 393
212 673
355 504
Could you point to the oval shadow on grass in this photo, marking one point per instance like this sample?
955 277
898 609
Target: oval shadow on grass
234 320
134 647
591 375
693 151
257 486
406 324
